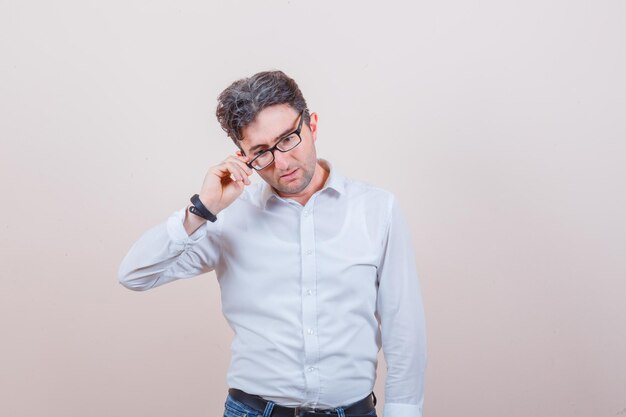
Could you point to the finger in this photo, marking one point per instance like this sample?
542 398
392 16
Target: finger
228 170
239 157
245 174
223 170
239 154
236 171
242 163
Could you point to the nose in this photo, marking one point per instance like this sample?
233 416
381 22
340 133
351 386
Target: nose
281 160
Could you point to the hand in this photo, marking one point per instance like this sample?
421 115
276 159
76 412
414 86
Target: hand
225 182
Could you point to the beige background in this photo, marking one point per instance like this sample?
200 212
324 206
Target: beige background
500 125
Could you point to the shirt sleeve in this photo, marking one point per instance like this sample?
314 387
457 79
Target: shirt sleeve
166 253
401 315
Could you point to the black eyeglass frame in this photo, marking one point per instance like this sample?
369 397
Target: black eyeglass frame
275 147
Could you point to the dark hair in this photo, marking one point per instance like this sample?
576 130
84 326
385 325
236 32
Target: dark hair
238 105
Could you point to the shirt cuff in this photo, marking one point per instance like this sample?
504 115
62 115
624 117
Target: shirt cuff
402 410
177 232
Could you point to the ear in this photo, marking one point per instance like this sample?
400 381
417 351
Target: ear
313 123
240 153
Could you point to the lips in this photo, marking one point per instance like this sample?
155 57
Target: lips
289 175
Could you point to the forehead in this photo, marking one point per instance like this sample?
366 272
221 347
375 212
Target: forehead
268 125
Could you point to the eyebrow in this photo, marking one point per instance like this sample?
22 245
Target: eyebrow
289 130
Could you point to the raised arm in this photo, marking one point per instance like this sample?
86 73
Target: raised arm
166 253
185 245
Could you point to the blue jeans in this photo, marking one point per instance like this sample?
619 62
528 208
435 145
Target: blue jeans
234 408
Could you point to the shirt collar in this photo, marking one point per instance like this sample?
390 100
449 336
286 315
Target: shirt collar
335 180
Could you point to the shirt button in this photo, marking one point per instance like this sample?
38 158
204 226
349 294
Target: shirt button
305 212
310 331
308 252
309 292
311 369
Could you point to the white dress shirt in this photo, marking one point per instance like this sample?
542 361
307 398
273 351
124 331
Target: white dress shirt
311 292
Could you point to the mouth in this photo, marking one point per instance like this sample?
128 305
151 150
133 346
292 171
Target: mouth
289 175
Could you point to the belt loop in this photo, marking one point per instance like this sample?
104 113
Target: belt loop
268 409
340 412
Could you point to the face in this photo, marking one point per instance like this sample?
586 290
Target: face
291 172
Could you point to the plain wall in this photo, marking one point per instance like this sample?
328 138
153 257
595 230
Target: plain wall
500 126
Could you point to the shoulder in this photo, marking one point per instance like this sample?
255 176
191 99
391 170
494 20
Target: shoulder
375 200
372 193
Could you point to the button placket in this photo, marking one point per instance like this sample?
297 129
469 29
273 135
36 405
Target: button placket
309 304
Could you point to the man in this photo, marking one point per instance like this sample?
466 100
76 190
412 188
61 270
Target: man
316 270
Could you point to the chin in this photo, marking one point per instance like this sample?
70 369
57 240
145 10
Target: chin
293 187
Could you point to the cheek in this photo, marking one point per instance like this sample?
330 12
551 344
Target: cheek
305 152
310 153
267 174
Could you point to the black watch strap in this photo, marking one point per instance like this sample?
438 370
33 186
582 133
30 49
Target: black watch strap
200 210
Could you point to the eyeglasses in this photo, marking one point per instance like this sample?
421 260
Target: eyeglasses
284 144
